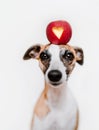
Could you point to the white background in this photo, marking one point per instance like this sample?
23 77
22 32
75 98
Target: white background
22 24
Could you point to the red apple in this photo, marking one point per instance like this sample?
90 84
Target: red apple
59 32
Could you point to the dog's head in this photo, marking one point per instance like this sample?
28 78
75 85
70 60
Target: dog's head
56 61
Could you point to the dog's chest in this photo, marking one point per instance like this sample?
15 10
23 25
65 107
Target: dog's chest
55 120
62 116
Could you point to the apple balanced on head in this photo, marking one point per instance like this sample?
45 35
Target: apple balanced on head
59 32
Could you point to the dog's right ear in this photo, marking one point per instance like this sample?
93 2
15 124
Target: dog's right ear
32 52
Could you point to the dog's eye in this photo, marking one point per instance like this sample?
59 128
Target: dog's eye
68 55
44 56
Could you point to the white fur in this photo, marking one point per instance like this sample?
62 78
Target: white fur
63 111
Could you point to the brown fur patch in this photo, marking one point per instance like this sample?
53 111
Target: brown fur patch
69 64
44 65
41 108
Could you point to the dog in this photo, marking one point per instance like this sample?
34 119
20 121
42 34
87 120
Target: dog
56 108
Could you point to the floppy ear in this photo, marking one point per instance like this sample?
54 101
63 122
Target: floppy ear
32 52
79 55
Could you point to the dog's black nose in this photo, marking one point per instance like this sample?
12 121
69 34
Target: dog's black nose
54 75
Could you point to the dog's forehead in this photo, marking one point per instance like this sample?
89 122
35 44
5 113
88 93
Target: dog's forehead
55 49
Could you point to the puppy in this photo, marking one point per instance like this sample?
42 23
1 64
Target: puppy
56 108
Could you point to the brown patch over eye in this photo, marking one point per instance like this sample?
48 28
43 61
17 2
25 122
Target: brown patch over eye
45 60
44 56
68 56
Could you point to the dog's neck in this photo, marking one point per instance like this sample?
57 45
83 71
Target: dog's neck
56 94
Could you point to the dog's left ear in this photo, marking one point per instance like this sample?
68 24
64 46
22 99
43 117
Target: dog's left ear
32 52
79 55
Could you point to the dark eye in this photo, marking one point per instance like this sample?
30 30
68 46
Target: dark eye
44 56
68 55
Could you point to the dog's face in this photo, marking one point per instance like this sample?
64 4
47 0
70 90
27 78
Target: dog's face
56 61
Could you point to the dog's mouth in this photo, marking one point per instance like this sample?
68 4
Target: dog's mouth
55 83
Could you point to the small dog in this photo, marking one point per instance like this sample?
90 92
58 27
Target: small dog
56 108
